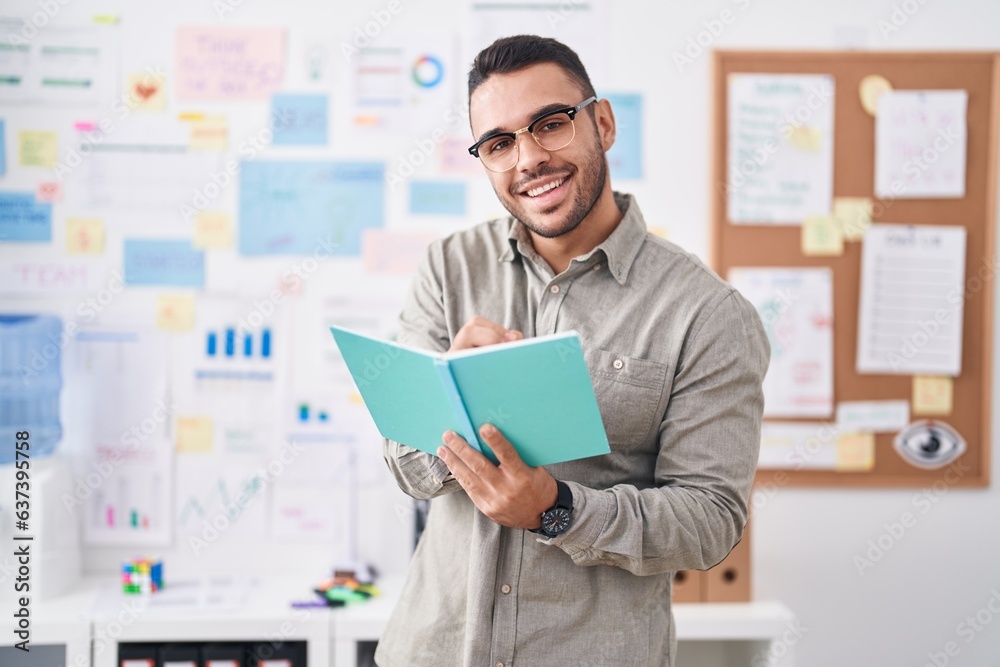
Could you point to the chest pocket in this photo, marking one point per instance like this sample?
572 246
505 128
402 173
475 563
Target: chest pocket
628 393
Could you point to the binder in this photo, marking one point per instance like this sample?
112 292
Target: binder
223 655
687 586
137 655
179 655
729 581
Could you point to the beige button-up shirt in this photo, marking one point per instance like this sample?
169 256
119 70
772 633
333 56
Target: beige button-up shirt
677 358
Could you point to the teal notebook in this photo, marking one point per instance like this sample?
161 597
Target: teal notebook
537 391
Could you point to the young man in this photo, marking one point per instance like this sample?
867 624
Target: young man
572 564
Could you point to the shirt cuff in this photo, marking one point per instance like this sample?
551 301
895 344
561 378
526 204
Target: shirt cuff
590 514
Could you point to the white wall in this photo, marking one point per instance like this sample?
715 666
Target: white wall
944 568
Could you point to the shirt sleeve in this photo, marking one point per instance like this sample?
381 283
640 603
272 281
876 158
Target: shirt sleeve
709 444
422 324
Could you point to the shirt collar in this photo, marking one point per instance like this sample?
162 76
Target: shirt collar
620 247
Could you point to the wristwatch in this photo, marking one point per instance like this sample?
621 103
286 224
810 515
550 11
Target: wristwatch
558 518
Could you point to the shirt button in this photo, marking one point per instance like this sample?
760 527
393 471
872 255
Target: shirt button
499 664
618 364
554 289
597 267
505 589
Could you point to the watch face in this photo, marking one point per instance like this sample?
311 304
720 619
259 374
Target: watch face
556 520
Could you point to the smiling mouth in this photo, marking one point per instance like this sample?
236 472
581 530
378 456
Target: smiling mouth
534 192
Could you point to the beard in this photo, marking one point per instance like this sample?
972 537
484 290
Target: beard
589 185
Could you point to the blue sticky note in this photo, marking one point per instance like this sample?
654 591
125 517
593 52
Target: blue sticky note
3 148
625 157
163 262
24 219
306 208
299 120
437 197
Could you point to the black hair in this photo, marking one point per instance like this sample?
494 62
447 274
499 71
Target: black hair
509 54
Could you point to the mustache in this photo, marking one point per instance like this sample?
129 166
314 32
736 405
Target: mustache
534 176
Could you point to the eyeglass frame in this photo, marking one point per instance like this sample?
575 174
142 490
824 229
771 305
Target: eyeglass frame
570 111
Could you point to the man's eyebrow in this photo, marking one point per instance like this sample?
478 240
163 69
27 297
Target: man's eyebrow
534 115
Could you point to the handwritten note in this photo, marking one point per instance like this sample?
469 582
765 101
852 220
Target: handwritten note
437 198
920 142
822 236
24 219
175 312
209 133
84 236
299 120
910 316
38 149
146 91
780 147
163 262
855 452
213 229
228 63
49 191
873 416
932 395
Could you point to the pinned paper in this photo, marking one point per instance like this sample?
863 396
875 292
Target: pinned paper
806 138
37 149
24 219
48 192
870 89
209 133
299 120
175 312
855 452
822 236
146 91
874 416
163 262
228 63
84 236
194 434
213 230
854 215
932 394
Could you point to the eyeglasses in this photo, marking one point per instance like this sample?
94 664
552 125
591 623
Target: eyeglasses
555 130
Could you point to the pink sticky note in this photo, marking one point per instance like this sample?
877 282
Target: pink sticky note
229 63
48 192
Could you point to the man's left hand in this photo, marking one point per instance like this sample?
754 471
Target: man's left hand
512 493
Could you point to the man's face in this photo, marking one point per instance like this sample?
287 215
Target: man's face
508 102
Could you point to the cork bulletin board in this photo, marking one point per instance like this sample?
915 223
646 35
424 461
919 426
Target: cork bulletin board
762 245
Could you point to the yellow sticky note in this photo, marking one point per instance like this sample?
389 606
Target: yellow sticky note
213 229
806 138
146 91
175 312
84 236
855 452
932 394
854 215
210 133
870 89
38 149
194 434
822 236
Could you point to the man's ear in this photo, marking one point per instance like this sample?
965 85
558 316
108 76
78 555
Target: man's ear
606 127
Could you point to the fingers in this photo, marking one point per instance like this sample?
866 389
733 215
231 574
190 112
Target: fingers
502 449
464 462
480 331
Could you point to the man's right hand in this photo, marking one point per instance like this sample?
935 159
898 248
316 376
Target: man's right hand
480 331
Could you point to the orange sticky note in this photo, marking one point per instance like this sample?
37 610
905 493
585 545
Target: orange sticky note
855 452
175 312
822 236
194 434
932 394
84 236
854 215
213 229
210 133
146 91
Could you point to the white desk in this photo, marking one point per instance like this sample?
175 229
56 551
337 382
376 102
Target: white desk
709 635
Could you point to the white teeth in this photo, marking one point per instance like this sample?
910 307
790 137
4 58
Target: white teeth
545 188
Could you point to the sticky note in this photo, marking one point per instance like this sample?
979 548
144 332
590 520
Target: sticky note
625 156
437 198
84 236
870 89
146 91
855 452
175 312
806 138
48 192
299 120
194 434
854 215
163 262
932 394
822 236
24 219
209 133
37 149
228 63
213 230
